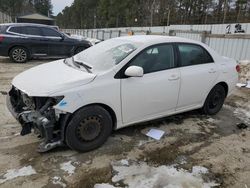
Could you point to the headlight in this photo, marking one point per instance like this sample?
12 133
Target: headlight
28 101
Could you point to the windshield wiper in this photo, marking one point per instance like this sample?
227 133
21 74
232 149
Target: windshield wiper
78 64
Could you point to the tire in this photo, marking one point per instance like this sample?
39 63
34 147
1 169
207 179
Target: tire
214 100
78 50
19 54
89 128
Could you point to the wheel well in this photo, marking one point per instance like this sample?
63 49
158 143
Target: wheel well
19 46
110 111
66 118
224 85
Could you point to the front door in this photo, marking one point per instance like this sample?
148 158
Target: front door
57 45
156 93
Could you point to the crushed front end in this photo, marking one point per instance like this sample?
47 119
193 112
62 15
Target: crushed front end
38 114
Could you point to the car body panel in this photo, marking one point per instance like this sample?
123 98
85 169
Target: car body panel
46 79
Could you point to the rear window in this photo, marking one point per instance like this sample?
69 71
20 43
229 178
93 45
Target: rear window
18 30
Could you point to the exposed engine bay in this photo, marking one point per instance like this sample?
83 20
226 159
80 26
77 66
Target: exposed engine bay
38 114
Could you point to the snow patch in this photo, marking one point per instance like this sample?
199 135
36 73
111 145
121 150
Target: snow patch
243 115
143 176
103 185
14 173
124 162
68 167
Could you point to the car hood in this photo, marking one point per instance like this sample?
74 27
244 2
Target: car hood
49 78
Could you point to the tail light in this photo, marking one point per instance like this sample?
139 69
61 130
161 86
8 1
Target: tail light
1 38
237 68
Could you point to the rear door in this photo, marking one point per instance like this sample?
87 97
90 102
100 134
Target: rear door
58 46
198 74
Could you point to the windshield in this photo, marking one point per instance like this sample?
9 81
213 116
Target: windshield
107 54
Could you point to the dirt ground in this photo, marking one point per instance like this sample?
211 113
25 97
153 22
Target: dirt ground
191 139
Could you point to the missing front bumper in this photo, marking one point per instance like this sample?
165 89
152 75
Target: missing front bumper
33 119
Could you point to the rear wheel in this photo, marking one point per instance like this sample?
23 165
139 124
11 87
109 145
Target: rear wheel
19 54
89 128
215 100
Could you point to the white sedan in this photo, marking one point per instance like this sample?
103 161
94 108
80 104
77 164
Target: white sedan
122 81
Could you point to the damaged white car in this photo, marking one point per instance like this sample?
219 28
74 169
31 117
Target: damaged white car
122 81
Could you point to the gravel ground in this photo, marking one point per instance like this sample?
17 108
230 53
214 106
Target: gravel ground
192 141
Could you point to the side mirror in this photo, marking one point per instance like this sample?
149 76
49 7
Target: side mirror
62 37
134 71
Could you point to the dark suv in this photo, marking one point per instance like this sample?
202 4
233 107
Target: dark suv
22 42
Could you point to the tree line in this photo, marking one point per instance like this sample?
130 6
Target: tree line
126 13
16 8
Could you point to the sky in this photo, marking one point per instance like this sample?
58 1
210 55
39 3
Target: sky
58 5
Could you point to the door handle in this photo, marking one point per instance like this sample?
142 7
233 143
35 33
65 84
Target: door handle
173 77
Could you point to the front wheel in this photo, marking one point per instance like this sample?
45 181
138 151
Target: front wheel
214 100
89 128
19 54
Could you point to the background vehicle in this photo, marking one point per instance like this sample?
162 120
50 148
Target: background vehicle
116 83
22 42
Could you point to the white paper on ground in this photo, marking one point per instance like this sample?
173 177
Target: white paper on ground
155 134
241 85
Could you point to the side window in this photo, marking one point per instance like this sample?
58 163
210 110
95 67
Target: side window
33 31
50 32
155 59
193 55
18 30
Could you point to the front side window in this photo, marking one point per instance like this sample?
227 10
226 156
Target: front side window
191 54
50 32
155 59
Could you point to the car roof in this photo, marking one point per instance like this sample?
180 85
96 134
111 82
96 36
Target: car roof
151 39
27 24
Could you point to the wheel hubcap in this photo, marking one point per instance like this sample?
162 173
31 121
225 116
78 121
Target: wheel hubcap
215 100
89 128
19 55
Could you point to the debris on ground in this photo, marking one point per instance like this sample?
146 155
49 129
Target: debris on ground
3 92
56 180
68 167
242 126
244 74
